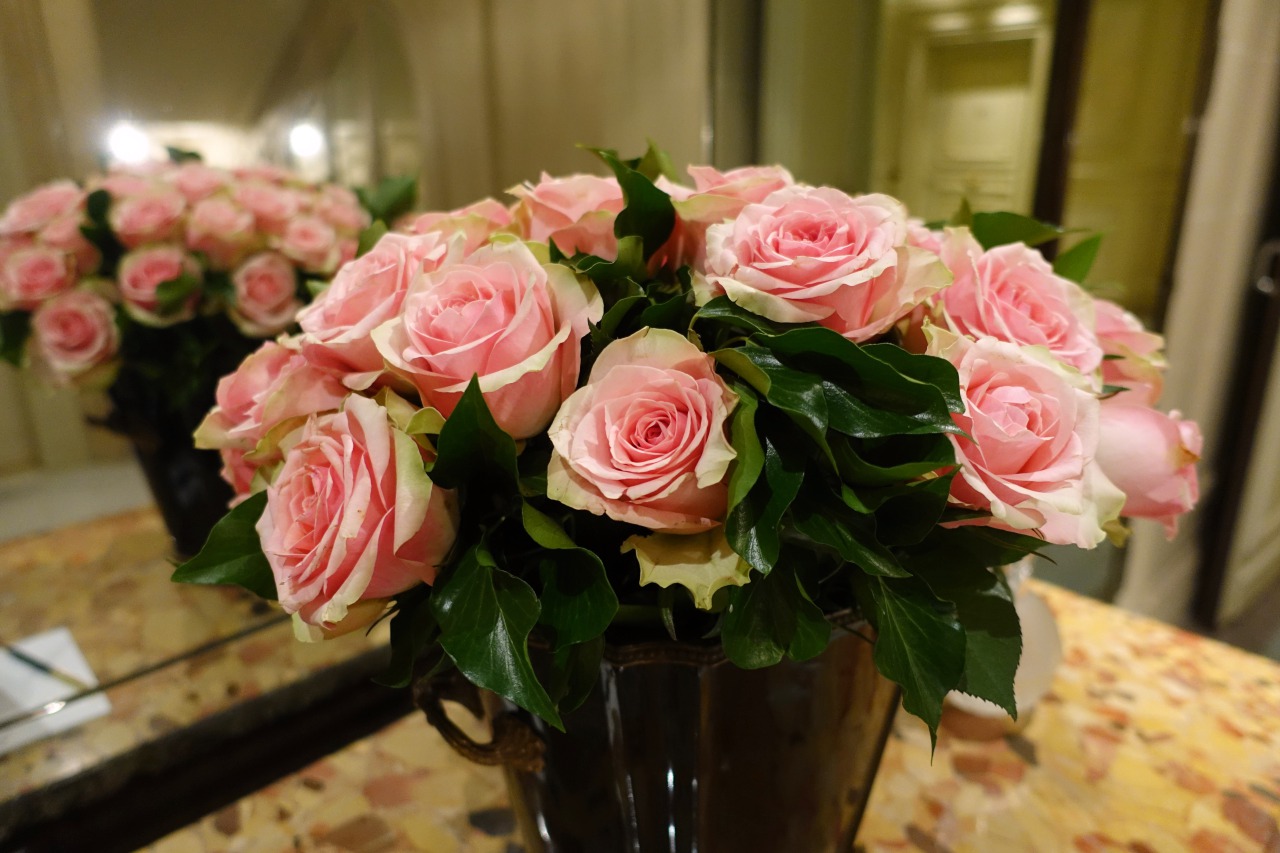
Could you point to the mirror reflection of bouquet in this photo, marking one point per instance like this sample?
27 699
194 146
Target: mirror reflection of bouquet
725 412
90 275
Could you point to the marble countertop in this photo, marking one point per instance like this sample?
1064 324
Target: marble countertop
171 654
1151 739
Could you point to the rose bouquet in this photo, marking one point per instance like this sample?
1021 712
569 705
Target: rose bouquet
745 412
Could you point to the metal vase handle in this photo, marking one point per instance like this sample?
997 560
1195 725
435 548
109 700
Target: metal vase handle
514 743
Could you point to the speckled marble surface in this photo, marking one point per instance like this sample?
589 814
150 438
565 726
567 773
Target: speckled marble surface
108 581
1151 740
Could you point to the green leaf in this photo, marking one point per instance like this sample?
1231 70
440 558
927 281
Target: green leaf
181 155
963 215
752 528
370 236
799 394
898 459
920 643
770 618
672 313
628 264
485 616
648 214
574 673
876 397
1076 262
98 231
577 601
543 529
15 328
615 320
1002 227
993 637
655 163
907 513
391 198
972 545
316 286
173 294
725 311
472 448
233 554
825 519
749 462
413 627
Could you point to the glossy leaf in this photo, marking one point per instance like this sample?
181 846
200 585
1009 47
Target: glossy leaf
923 455
824 519
770 618
753 527
391 198
413 627
233 553
578 602
485 616
1076 262
801 395
725 311
370 236
919 643
648 214
173 294
993 637
15 328
749 462
472 447
574 673
1001 228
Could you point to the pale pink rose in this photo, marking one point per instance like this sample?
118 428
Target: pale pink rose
270 394
1031 434
272 206
142 271
266 301
352 515
222 230
501 315
197 181
1134 359
715 197
811 254
273 385
923 238
122 184
64 235
478 222
1011 293
34 274
644 441
311 242
340 208
364 294
262 173
1152 458
74 333
149 217
576 212
33 211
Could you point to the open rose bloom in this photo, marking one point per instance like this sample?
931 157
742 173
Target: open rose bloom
733 403
203 253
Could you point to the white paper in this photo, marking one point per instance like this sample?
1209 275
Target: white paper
24 688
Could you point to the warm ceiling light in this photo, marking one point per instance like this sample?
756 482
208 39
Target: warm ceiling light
305 140
127 144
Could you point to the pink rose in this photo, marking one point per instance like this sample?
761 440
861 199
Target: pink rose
148 217
1135 360
33 211
64 235
921 237
352 515
715 197
222 230
197 181
365 293
142 271
340 208
311 242
1011 293
238 473
272 206
262 173
644 441
478 222
121 184
817 255
74 333
266 301
270 394
577 212
1151 457
1031 432
503 316
33 275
